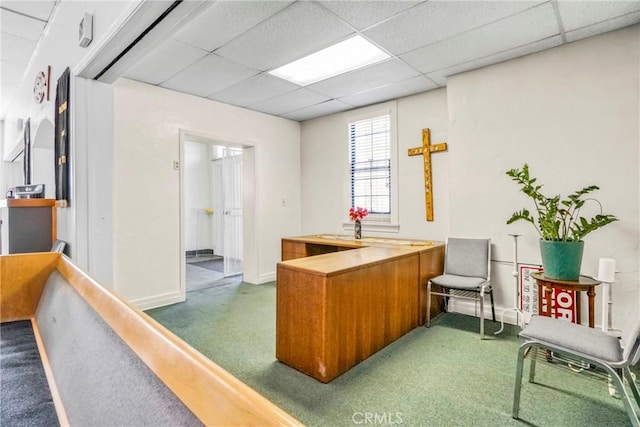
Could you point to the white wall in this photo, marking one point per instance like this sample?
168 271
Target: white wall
89 217
325 168
148 121
571 112
43 157
86 223
11 173
59 49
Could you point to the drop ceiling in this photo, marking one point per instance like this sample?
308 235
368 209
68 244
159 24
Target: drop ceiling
22 24
225 52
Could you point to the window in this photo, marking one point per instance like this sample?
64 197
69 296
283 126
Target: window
370 160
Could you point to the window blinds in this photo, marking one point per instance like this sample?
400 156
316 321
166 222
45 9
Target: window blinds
370 158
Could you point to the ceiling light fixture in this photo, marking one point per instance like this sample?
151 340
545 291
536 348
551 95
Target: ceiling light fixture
348 55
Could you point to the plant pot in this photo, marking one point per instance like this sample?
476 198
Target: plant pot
561 260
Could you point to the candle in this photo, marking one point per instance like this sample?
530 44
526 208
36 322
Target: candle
607 270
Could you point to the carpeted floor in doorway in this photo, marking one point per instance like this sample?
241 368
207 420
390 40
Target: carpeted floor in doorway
216 264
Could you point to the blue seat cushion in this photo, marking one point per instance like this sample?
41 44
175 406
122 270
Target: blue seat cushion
458 282
574 338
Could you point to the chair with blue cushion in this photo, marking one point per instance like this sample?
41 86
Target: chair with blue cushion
467 267
592 346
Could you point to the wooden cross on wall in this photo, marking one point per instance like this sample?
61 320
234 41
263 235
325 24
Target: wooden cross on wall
426 151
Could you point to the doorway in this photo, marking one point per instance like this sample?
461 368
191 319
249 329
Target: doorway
213 214
43 158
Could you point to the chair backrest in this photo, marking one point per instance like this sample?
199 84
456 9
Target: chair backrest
468 257
631 344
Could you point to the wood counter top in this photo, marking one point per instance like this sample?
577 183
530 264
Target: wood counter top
334 263
349 242
27 203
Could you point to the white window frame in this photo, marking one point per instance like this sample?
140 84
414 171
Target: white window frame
382 223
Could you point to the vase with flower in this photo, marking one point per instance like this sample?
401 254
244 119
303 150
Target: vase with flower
356 215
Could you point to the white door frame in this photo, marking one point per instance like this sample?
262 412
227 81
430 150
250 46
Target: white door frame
250 223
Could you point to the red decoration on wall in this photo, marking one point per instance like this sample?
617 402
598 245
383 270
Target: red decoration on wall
41 85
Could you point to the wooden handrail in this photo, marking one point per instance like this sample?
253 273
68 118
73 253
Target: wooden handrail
22 278
215 396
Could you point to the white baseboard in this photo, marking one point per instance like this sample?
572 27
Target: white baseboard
266 278
507 314
158 300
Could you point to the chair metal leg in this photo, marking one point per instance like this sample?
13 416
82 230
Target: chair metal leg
428 322
626 399
518 386
634 388
446 299
493 309
532 366
481 316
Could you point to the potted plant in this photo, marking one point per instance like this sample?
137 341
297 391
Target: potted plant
559 224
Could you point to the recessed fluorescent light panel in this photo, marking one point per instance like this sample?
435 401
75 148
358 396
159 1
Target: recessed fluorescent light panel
347 55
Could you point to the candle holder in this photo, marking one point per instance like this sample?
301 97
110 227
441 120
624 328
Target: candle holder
606 275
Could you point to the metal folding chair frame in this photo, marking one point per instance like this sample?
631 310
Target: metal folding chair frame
616 371
485 288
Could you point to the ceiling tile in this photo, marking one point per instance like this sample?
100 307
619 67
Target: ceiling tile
11 71
440 76
208 75
439 37
578 14
289 102
225 20
438 20
37 9
20 25
518 30
362 14
603 27
392 91
165 61
298 30
318 110
16 49
370 77
254 90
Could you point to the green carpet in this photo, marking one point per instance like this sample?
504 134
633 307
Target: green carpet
441 376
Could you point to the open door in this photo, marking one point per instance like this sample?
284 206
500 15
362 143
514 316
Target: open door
232 220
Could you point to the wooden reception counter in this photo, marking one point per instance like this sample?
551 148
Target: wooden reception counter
341 300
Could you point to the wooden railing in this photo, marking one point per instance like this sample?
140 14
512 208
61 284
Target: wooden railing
215 396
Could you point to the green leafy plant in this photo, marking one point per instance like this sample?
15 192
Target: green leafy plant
558 219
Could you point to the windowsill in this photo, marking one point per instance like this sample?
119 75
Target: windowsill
380 227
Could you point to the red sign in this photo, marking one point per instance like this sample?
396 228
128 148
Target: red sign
563 301
563 305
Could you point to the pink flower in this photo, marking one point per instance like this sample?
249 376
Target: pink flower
358 213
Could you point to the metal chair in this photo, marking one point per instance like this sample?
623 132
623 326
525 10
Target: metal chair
593 346
467 267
